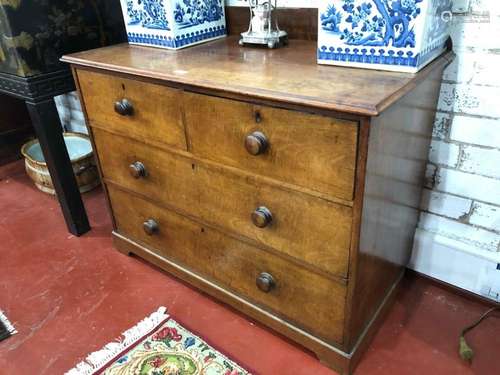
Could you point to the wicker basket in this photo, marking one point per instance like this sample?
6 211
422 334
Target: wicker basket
82 160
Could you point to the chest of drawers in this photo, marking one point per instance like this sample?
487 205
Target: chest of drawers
285 189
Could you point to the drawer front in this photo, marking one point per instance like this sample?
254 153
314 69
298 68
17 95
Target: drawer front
307 228
312 151
306 299
156 112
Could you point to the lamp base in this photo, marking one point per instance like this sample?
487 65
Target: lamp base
273 39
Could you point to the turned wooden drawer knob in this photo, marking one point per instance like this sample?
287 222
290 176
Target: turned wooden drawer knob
262 217
151 227
265 282
137 170
256 143
124 107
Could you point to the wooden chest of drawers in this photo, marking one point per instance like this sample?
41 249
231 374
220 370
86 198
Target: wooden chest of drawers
286 189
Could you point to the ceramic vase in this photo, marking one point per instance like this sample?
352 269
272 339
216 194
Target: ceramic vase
396 35
173 24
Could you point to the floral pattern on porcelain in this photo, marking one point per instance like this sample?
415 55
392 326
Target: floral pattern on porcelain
151 14
189 13
171 349
395 34
173 23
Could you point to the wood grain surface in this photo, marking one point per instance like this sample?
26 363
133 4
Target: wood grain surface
396 161
313 151
314 303
227 200
295 175
156 114
289 75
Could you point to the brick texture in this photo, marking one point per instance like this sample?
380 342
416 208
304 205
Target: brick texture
447 205
461 206
444 153
465 153
70 112
472 130
485 215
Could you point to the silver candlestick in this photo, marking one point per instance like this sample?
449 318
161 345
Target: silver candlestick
261 29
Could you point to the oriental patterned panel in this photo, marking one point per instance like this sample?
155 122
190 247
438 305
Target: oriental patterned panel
399 35
34 34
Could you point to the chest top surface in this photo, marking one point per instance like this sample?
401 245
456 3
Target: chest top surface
284 75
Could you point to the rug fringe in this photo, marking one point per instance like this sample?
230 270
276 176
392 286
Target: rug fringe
96 360
7 323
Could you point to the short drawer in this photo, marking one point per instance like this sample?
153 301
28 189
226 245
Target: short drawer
138 109
304 227
303 298
312 151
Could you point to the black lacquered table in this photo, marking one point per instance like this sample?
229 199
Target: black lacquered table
38 92
33 36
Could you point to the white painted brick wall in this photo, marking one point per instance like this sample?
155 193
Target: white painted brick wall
448 260
474 68
475 31
458 239
444 153
70 112
482 161
442 125
457 230
476 130
446 204
460 222
485 215
464 98
468 185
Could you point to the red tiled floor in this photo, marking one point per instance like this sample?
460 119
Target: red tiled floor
68 296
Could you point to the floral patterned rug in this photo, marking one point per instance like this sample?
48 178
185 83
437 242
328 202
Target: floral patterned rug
158 346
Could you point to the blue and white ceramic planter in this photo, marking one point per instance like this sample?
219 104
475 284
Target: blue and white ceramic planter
397 35
173 23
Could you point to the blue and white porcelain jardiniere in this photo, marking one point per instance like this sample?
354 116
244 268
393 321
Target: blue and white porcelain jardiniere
173 23
397 35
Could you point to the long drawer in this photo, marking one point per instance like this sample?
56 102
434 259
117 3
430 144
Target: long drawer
307 228
304 298
141 110
312 151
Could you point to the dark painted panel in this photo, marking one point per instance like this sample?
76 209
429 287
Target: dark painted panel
34 34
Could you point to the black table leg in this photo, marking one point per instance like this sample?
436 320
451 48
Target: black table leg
48 128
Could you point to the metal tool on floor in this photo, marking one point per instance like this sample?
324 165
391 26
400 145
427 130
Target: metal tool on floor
6 327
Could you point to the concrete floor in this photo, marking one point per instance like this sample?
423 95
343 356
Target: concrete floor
68 296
